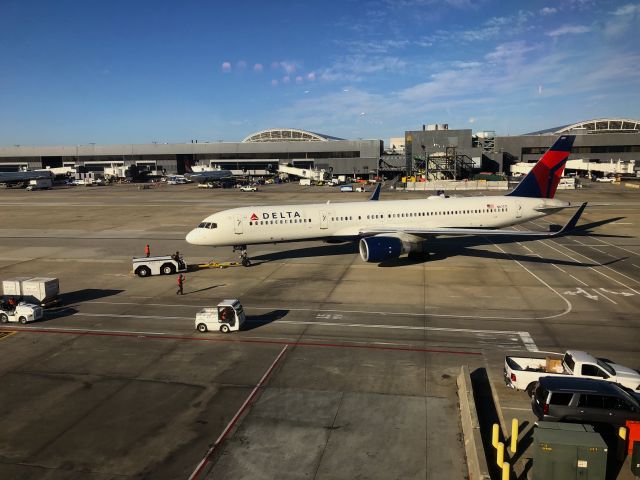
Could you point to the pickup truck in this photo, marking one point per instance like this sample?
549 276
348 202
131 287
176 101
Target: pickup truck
522 373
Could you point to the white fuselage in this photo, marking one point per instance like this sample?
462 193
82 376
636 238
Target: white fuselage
287 223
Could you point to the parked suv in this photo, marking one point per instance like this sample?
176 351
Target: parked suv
584 400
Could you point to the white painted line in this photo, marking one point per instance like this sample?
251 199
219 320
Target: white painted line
568 303
563 271
517 408
529 344
600 292
198 470
367 312
578 280
548 244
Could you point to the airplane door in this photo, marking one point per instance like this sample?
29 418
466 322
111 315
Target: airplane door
237 224
518 211
324 219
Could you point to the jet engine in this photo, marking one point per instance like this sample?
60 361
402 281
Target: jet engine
379 248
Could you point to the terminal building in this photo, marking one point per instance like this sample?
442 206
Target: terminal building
257 154
436 150
599 145
599 141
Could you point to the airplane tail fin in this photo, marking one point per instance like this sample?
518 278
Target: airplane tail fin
543 179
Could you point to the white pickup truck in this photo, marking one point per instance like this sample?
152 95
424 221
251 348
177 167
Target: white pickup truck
522 373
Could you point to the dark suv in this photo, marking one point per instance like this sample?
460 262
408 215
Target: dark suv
585 401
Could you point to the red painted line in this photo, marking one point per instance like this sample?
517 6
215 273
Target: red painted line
225 340
203 463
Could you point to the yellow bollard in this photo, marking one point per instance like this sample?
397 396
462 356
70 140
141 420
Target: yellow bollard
514 435
500 455
622 433
505 471
495 435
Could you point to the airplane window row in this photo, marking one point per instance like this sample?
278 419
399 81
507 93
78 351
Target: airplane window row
208 225
275 222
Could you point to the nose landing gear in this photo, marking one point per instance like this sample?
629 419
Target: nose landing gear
244 258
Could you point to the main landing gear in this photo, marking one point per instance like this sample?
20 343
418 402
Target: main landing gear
244 258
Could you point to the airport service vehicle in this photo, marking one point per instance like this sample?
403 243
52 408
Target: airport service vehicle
584 400
387 229
40 184
23 313
227 316
158 265
606 179
248 188
306 182
522 373
43 291
346 188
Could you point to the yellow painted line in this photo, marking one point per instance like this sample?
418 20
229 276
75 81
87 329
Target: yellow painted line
6 334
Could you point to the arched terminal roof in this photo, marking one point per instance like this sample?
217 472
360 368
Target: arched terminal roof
598 125
287 135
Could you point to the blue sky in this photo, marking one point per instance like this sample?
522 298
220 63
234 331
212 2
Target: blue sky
77 72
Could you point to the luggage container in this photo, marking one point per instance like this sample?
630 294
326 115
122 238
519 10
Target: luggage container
42 291
12 287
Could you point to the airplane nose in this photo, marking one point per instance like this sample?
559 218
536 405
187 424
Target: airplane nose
193 237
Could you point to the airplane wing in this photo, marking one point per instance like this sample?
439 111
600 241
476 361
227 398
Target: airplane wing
432 232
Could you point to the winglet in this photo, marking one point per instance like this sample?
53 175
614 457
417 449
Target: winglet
571 224
376 193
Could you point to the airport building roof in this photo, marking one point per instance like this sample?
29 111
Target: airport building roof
598 125
287 135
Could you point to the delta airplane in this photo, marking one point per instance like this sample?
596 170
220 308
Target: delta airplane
388 229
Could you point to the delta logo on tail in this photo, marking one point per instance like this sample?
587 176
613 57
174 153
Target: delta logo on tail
543 179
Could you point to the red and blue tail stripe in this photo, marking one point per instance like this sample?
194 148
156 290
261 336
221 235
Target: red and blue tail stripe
543 179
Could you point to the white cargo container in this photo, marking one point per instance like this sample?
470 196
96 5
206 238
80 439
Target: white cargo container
12 287
41 290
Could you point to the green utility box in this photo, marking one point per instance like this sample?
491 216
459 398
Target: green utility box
567 451
635 459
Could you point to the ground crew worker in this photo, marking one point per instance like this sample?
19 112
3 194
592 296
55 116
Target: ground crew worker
147 250
12 303
180 284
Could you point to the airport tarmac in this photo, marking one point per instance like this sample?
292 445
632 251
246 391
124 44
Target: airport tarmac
345 369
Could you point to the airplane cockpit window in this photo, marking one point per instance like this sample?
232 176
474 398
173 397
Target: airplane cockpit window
208 225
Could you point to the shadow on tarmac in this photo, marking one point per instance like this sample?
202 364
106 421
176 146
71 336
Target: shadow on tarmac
255 321
86 295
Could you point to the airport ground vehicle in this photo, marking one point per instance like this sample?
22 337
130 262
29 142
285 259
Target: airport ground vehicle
346 188
605 179
158 265
23 313
584 400
41 291
40 184
226 317
522 373
248 188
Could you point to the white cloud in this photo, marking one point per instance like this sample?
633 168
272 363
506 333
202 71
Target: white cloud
628 9
355 67
299 79
569 30
274 83
226 67
258 67
311 76
548 11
